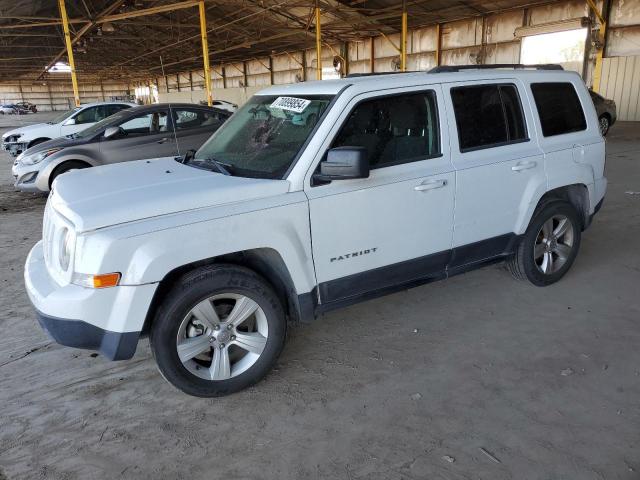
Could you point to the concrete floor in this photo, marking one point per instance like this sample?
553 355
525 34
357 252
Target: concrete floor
477 377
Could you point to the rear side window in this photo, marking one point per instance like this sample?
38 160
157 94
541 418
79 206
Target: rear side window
559 108
488 116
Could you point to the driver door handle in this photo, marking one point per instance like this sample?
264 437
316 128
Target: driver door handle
163 140
430 185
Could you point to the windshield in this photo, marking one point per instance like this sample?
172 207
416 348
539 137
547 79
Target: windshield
113 120
263 138
63 116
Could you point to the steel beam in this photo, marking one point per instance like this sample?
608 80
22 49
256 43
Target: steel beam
602 33
318 43
403 41
438 44
205 51
67 39
149 11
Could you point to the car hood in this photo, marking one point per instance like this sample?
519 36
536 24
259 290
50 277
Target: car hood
61 142
109 195
26 130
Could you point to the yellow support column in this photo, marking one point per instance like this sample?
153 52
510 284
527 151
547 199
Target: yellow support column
403 43
205 52
67 40
438 44
602 33
318 44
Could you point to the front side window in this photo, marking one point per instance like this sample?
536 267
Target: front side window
488 116
559 108
100 126
88 115
113 109
263 138
394 129
146 124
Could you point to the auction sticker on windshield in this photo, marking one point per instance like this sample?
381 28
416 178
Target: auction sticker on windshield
292 104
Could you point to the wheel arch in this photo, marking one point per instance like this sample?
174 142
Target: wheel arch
36 141
266 262
59 166
577 195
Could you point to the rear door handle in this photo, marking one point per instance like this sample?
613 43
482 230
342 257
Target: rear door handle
163 140
523 166
430 185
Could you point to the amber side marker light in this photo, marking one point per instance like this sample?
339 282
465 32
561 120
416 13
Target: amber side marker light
105 280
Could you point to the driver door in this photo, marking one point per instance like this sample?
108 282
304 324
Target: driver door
393 228
147 135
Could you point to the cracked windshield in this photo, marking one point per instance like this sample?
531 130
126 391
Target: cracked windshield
264 137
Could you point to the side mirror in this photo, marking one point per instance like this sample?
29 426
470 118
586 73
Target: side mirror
111 132
344 163
71 121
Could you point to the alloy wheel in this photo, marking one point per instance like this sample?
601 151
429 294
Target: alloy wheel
222 336
604 125
554 244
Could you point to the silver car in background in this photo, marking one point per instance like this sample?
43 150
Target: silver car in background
151 131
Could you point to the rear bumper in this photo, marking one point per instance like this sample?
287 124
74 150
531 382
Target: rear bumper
79 334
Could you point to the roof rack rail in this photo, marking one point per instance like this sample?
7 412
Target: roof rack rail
487 66
355 75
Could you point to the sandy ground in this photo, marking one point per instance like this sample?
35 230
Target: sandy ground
477 377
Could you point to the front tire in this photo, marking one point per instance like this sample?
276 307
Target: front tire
219 330
66 167
549 246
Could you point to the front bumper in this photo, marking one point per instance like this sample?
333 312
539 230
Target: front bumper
108 320
25 177
14 148
79 334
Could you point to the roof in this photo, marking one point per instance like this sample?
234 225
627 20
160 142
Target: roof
117 102
382 81
237 30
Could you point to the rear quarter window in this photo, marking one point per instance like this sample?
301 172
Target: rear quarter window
559 108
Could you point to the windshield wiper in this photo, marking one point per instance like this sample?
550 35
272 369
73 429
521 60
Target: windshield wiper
223 168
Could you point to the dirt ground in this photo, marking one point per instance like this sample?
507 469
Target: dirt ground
477 377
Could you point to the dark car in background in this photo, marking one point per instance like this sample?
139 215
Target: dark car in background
28 106
151 131
606 110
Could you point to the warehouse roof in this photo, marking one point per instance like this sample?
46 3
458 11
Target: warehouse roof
111 38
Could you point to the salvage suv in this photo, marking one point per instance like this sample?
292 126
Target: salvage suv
315 196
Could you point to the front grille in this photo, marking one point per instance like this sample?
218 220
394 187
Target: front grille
53 227
47 235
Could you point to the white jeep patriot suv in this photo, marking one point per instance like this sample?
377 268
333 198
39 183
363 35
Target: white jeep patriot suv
311 197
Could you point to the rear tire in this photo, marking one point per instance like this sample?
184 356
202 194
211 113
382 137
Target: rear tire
549 246
604 124
219 330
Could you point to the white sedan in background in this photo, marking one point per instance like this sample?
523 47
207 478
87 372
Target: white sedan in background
20 139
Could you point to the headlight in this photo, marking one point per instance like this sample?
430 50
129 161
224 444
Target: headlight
34 158
64 255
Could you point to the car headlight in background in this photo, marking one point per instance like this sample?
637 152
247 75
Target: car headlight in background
64 255
33 158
